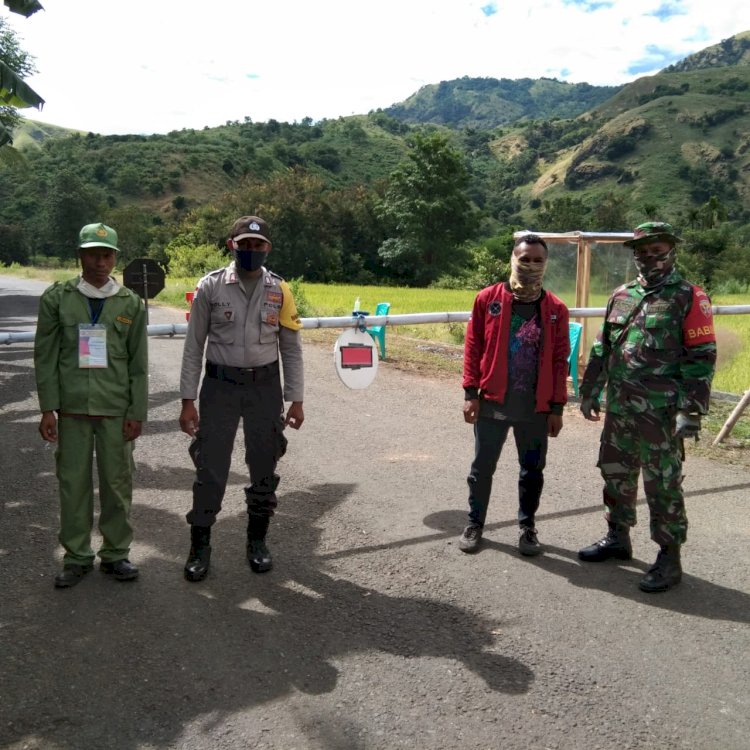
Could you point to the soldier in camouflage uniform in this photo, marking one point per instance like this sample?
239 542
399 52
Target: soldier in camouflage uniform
656 353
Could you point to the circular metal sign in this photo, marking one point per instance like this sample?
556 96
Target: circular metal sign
355 357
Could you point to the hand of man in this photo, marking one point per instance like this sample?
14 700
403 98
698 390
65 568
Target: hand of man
554 424
131 429
295 415
471 410
687 425
189 417
48 427
590 409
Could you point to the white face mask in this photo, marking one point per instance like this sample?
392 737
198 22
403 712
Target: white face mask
89 290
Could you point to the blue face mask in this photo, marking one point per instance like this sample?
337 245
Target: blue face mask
250 260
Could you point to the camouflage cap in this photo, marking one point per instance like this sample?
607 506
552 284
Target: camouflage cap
98 235
653 231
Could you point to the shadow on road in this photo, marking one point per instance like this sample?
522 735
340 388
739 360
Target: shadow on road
695 596
145 659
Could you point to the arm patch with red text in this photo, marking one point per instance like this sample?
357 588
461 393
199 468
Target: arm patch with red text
698 326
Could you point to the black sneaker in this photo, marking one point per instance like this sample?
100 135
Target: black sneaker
470 539
528 544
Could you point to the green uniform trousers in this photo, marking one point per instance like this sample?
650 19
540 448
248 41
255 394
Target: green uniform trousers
78 440
633 443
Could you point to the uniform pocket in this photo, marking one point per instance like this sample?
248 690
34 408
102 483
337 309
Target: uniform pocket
117 339
268 333
662 332
221 330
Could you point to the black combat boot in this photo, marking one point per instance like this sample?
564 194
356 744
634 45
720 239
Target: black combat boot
199 557
257 553
616 544
665 573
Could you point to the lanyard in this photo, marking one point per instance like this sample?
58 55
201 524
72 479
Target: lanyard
95 313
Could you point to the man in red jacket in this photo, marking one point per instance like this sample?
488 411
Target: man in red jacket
515 375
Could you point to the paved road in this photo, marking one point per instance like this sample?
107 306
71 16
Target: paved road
373 630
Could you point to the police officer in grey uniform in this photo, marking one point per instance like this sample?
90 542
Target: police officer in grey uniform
244 316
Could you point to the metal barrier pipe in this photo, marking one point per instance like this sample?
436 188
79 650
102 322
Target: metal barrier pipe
172 329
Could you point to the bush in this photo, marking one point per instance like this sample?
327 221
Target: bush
731 286
193 260
304 308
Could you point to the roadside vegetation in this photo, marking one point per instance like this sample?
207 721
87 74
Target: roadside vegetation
437 349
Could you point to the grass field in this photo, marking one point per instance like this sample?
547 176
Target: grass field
437 348
334 300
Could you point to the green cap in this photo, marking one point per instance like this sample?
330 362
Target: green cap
653 231
98 235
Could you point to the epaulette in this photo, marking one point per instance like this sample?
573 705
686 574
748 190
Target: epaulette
209 275
273 273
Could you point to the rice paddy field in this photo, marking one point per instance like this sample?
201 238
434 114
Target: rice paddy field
440 344
733 331
437 349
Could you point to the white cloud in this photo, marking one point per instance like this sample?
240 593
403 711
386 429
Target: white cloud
130 66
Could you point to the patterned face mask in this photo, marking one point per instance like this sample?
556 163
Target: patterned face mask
654 269
526 279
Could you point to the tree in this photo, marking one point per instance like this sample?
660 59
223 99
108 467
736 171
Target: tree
304 234
610 214
14 65
712 213
426 211
13 248
563 215
69 206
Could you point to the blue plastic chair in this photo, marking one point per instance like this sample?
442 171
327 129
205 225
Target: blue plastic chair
575 330
378 332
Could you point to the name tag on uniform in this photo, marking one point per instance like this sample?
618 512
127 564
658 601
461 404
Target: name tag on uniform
92 345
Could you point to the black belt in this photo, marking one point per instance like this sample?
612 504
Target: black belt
241 375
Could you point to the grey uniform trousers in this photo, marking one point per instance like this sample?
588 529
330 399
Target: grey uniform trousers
222 403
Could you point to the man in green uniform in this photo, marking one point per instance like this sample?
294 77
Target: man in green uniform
91 366
656 352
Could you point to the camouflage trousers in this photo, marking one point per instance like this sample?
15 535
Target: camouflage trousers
633 442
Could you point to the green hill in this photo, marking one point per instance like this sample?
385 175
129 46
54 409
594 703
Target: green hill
489 102
539 153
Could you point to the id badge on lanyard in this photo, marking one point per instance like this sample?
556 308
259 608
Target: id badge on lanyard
92 340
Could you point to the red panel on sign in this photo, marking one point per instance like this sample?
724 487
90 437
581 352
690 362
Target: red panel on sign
355 356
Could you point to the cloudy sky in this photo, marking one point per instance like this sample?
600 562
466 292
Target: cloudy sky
151 66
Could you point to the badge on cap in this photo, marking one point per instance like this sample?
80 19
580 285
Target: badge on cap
254 226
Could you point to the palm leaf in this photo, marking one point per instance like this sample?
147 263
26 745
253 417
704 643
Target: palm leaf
23 7
14 92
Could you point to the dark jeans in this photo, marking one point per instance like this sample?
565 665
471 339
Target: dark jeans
531 444
222 404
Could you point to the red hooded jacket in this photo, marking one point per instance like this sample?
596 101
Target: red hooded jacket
486 347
